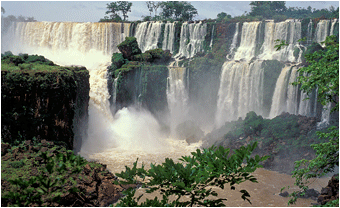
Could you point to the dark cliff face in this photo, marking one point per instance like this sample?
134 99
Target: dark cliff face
46 104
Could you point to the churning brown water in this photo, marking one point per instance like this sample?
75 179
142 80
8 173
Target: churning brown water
265 193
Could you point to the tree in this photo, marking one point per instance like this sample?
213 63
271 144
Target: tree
178 10
153 6
3 10
267 9
193 177
118 6
323 73
222 15
125 7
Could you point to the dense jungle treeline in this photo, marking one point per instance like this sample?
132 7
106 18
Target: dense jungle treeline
184 11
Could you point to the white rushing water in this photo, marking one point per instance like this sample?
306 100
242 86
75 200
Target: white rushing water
233 43
177 96
321 31
129 133
289 31
246 50
240 91
148 35
234 97
192 38
169 37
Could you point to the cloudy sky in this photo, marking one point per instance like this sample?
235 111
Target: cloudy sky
92 11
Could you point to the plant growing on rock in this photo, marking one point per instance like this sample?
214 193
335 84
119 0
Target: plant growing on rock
46 188
193 177
323 73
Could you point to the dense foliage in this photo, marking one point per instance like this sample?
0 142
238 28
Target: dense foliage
193 177
178 10
40 98
43 173
277 10
114 8
323 73
171 11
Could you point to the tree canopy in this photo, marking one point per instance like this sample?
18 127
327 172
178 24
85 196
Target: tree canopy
118 6
267 9
178 10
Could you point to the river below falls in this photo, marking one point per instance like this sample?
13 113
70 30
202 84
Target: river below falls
265 193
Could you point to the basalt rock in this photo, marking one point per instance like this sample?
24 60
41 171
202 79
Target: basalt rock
44 103
331 191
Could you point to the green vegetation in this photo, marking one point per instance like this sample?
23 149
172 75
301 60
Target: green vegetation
178 10
171 11
114 8
280 127
142 77
43 99
193 177
39 182
267 9
323 73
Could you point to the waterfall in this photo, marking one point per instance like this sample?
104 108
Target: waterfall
177 96
279 102
212 37
234 42
241 91
332 26
292 93
114 93
234 97
148 35
248 41
192 39
65 37
321 31
309 32
169 37
325 116
289 31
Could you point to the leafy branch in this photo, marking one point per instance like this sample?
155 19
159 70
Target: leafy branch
193 177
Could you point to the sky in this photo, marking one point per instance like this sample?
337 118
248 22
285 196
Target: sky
93 11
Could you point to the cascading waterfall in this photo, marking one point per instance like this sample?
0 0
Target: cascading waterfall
177 96
322 31
234 99
54 37
212 37
86 44
334 21
241 91
192 38
286 96
148 35
289 31
320 36
310 32
169 37
114 93
248 41
325 117
234 42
